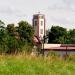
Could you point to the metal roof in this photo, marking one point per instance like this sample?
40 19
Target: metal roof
59 47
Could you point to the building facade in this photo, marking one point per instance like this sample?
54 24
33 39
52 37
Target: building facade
39 25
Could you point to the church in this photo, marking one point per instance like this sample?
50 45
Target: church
39 25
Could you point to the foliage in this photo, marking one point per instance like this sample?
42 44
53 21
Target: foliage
11 29
71 36
61 35
2 24
13 39
25 31
3 42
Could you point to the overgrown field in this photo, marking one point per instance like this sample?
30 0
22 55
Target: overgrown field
27 65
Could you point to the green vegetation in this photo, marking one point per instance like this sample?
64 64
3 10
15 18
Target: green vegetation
27 65
60 35
14 39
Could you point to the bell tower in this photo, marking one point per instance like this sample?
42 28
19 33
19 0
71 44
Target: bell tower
39 25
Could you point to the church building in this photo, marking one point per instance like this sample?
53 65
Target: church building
38 23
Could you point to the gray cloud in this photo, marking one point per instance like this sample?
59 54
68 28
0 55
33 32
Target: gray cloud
66 5
12 12
64 21
56 11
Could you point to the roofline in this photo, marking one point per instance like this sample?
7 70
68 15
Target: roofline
38 14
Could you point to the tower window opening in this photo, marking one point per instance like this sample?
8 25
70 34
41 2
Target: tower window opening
35 23
41 23
41 31
41 17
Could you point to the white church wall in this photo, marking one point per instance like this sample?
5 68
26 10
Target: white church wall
41 27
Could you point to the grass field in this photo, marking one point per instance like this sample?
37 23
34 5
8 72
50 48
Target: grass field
26 65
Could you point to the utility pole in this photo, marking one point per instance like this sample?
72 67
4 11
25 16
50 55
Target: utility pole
66 50
43 44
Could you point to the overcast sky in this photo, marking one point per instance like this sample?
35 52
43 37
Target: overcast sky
57 12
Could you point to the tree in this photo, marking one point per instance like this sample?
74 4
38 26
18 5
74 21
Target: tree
57 34
3 42
25 31
11 29
71 36
12 44
72 33
2 24
12 39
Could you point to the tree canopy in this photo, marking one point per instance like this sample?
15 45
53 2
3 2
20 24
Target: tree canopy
14 38
60 35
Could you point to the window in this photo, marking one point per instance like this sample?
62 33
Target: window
41 17
35 16
41 23
35 23
41 31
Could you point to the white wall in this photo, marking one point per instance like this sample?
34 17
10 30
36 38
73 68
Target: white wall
41 27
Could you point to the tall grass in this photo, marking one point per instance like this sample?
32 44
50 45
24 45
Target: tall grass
26 65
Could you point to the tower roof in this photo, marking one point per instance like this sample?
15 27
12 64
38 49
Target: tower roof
38 15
